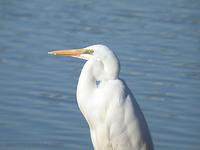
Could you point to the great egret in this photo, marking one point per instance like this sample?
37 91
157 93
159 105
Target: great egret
113 115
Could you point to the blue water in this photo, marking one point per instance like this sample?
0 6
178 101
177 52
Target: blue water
158 44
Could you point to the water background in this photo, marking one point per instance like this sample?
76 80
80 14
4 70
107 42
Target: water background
158 44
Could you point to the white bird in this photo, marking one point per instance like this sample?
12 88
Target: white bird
115 119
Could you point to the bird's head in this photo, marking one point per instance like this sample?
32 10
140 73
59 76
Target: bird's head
105 62
100 52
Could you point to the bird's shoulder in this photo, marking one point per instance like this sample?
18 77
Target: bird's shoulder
116 85
117 89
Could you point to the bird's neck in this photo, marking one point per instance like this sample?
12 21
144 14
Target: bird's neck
111 68
87 83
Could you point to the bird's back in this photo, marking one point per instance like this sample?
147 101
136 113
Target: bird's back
117 122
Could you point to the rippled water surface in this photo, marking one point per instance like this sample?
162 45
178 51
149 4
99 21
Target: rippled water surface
158 44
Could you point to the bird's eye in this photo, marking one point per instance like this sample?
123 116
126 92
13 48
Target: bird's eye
89 51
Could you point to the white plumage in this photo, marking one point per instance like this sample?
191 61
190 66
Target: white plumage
113 115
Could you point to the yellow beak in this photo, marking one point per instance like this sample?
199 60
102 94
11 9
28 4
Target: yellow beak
73 52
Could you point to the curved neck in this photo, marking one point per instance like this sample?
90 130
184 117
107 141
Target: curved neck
92 72
86 82
111 68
